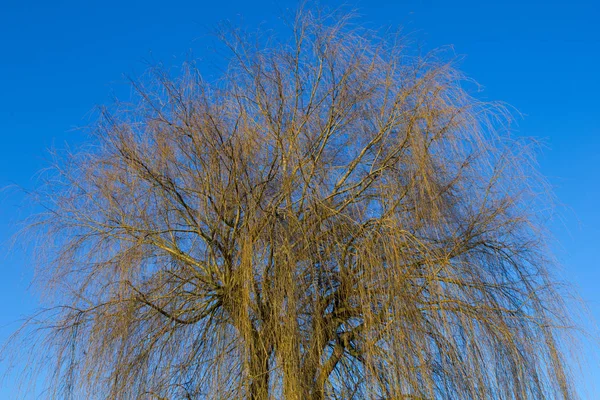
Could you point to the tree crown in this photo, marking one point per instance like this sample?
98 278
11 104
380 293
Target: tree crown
332 218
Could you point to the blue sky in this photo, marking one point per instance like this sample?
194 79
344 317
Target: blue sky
59 59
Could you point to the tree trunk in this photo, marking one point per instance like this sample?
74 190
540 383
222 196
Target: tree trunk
259 373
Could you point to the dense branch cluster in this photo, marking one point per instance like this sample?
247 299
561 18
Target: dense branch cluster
333 219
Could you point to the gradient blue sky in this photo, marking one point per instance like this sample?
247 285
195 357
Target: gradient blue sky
59 59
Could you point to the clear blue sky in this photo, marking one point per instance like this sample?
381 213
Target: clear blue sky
58 59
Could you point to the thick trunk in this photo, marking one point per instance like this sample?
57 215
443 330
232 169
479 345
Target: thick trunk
259 375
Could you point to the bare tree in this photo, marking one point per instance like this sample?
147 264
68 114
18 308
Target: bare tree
332 218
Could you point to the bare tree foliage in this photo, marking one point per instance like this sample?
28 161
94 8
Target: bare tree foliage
332 219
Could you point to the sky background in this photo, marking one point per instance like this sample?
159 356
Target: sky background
60 59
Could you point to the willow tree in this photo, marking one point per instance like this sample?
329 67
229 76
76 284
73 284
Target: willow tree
334 217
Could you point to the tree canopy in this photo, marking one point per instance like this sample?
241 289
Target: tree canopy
334 217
